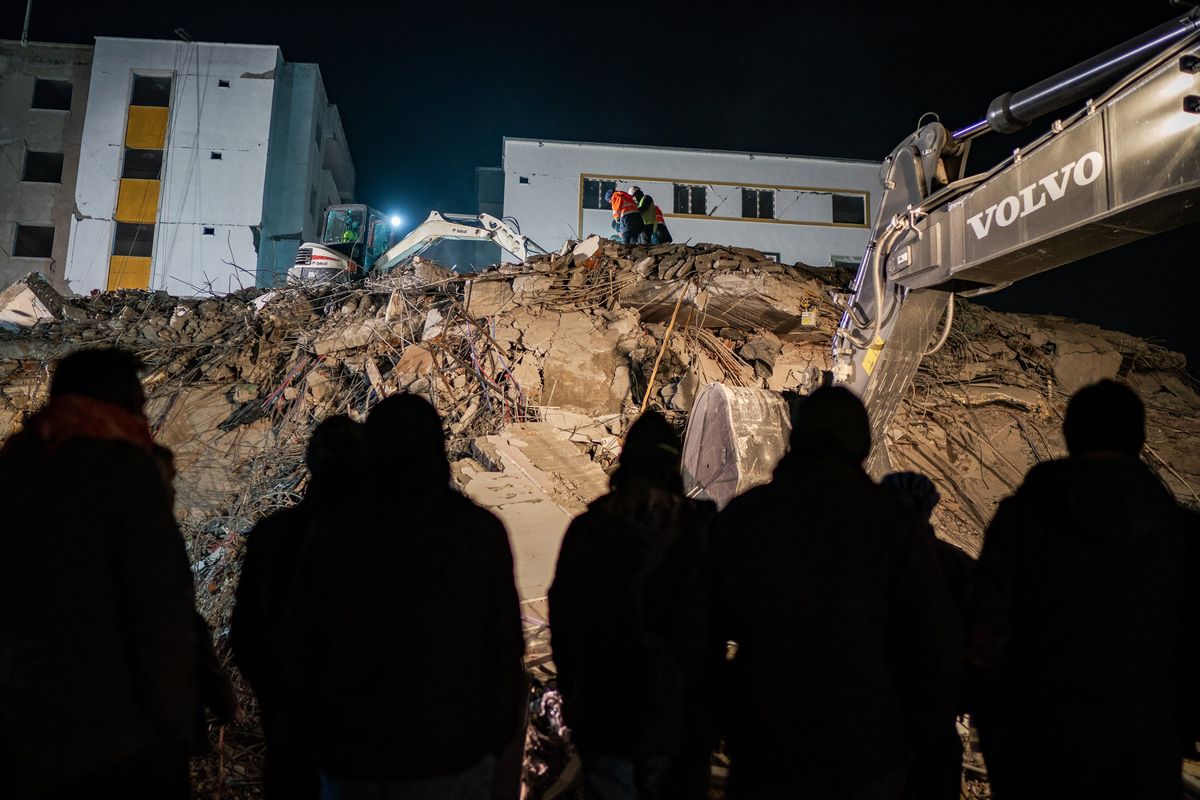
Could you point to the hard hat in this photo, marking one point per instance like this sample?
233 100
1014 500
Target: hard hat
608 195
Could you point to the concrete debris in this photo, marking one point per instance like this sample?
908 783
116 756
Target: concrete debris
539 368
29 301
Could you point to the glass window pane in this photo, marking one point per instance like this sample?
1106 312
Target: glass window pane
849 208
142 164
133 239
34 241
150 91
43 167
343 226
54 95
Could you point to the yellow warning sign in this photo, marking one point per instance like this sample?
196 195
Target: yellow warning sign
808 319
872 355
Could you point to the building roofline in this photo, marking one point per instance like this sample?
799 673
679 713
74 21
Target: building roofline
17 42
180 41
752 154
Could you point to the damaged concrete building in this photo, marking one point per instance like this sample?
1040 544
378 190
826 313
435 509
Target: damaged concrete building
538 369
206 164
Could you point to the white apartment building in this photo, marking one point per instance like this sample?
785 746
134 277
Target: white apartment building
817 211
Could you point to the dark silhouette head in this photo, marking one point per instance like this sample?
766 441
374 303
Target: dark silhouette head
608 196
336 450
1105 417
636 192
109 375
831 423
406 443
651 454
916 487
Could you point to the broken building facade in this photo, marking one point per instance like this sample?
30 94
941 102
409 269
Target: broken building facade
204 168
43 97
793 208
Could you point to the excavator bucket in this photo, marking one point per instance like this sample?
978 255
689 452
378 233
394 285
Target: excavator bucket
735 437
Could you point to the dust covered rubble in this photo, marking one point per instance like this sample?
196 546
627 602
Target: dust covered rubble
537 370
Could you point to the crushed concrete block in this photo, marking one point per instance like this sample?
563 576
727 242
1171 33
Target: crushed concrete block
530 289
580 367
486 298
1073 371
415 360
29 301
586 252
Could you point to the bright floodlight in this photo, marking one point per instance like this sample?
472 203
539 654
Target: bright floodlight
396 222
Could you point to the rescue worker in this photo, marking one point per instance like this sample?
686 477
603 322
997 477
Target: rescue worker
646 206
626 217
659 234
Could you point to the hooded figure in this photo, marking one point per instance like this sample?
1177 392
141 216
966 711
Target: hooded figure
1079 618
629 626
406 633
845 635
97 636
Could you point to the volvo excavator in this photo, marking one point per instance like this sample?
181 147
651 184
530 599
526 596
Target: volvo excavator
1124 165
357 241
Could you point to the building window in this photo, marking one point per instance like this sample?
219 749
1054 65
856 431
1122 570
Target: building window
850 209
215 156
690 199
758 203
773 256
524 179
43 167
848 262
222 84
55 95
593 192
142 164
34 241
133 239
150 91
209 230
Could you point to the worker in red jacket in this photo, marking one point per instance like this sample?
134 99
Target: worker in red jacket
659 233
626 217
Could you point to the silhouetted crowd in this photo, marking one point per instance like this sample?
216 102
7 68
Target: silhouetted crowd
815 628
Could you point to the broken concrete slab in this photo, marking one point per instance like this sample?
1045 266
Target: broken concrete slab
486 298
580 371
29 301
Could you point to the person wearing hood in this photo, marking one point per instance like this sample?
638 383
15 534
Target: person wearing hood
1077 630
336 452
97 619
843 638
630 630
405 633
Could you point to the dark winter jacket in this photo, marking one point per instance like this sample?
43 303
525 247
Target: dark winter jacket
406 638
96 609
845 631
256 631
629 621
1078 625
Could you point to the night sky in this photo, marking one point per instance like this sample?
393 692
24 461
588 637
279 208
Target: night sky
426 93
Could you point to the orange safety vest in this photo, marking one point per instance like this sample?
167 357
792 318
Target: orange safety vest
658 216
622 204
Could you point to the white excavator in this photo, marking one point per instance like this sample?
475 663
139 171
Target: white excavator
357 241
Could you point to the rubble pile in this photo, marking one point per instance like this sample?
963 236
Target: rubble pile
537 370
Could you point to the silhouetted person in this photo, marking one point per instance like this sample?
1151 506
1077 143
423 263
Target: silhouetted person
847 653
629 621
214 689
938 773
336 457
1077 630
406 636
96 605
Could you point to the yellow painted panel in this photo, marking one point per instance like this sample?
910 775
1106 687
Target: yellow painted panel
147 127
137 201
128 272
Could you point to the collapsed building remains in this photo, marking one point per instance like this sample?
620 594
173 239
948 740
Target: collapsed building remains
538 369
